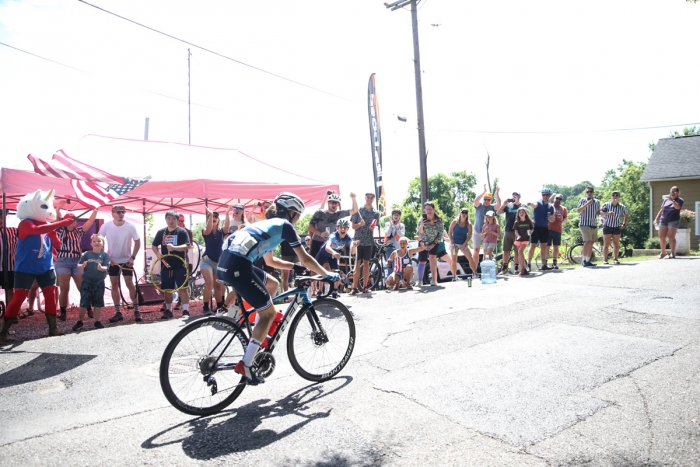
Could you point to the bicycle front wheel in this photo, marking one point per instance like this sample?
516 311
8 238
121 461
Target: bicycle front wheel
321 339
576 254
196 370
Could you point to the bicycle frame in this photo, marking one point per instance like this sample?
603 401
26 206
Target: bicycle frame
301 302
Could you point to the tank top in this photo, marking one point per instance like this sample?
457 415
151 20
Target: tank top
459 233
490 236
400 262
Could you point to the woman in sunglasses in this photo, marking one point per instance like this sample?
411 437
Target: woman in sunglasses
430 232
460 232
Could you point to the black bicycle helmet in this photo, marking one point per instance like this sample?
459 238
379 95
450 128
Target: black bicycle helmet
396 211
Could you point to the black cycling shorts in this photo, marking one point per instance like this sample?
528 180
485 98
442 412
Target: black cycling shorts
25 280
539 235
247 280
554 238
115 269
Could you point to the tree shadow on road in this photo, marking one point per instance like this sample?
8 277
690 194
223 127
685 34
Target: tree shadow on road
237 430
46 365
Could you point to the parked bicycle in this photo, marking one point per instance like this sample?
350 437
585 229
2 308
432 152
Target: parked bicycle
197 368
575 252
376 268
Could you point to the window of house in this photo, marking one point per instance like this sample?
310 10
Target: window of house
697 218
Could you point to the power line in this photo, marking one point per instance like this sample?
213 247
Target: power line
216 53
563 132
89 73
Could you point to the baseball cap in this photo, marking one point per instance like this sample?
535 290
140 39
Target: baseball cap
490 214
239 206
118 207
515 193
488 195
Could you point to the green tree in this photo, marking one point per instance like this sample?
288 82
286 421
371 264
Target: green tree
634 195
448 192
687 131
150 222
197 232
302 225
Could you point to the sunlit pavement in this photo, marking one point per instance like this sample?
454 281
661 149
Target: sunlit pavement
577 367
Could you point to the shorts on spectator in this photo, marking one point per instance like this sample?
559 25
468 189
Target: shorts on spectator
508 240
589 234
554 238
397 274
68 266
323 257
115 269
208 264
92 294
24 280
423 254
518 244
290 258
539 235
10 283
489 245
173 278
477 240
364 252
670 225
612 231
315 247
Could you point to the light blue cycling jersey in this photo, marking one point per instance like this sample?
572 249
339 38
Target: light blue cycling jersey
254 241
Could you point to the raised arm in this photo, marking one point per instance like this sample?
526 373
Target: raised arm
498 198
90 221
354 207
227 221
210 222
477 200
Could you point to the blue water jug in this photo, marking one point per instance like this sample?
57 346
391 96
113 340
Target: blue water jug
488 272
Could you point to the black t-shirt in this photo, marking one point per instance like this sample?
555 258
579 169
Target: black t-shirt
511 211
175 237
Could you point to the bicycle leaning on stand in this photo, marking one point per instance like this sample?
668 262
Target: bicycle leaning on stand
197 368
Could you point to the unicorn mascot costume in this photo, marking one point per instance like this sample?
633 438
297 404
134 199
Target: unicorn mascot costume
37 243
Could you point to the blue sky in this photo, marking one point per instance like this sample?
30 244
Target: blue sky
488 68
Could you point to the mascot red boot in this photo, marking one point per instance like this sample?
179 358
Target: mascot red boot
35 251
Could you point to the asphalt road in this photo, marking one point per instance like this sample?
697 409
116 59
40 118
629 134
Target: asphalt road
576 367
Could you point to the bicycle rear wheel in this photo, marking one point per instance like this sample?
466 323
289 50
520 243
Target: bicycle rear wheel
321 339
196 370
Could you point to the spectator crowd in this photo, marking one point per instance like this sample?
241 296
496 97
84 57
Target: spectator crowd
525 228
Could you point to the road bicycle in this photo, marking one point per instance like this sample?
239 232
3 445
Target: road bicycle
197 368
562 257
376 268
576 251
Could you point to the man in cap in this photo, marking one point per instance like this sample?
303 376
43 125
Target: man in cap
123 244
481 210
511 211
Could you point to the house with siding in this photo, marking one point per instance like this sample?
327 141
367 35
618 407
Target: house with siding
675 162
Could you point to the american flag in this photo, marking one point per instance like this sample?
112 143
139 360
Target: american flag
93 187
63 166
98 194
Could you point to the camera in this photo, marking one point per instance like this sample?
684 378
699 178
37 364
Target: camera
510 200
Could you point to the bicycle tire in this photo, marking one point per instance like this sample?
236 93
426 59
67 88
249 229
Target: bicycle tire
311 358
538 261
576 253
177 360
375 270
596 253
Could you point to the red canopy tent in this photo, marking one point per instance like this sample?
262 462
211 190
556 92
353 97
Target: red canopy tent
200 185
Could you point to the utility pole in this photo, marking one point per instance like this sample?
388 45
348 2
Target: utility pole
423 156
145 131
189 108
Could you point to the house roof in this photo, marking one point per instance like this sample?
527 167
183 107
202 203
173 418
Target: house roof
674 158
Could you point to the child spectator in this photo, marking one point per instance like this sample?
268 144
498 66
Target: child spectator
337 241
403 267
523 229
95 265
490 232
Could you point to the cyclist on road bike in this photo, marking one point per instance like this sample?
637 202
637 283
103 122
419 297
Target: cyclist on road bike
236 269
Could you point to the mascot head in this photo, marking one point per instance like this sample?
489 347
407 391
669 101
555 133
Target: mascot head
37 206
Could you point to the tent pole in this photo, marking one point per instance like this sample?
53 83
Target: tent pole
5 245
145 238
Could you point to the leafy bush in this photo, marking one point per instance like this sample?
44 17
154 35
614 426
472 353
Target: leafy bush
654 244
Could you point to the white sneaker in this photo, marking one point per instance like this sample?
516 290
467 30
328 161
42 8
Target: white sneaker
433 282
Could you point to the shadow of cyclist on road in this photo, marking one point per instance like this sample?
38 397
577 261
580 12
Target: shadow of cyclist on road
237 430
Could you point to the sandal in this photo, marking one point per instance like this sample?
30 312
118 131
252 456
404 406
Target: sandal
26 313
395 287
662 255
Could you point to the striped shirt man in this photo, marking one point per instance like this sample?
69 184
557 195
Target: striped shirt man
616 219
71 242
589 216
9 236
